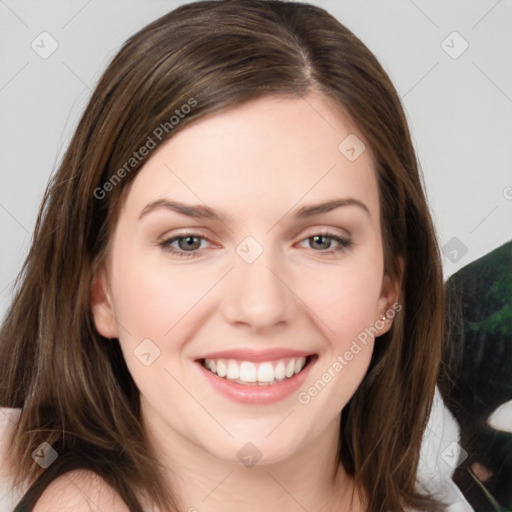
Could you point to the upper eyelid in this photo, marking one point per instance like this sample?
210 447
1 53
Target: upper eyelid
315 230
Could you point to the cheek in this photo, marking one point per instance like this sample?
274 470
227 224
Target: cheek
344 298
156 303
151 300
347 314
344 304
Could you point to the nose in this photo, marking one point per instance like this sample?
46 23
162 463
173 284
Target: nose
256 294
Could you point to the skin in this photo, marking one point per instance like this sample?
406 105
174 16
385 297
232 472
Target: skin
256 163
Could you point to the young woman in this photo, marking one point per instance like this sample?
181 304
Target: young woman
234 294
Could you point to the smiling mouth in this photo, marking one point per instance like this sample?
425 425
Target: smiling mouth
265 373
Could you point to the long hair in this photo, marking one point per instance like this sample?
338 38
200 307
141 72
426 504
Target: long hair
72 384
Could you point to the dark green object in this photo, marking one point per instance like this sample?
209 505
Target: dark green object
476 374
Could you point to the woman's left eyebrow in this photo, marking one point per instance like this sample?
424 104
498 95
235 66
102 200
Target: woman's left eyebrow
327 206
205 212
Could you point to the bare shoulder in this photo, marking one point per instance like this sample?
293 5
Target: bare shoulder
80 491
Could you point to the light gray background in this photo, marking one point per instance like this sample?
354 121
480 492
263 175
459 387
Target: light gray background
459 109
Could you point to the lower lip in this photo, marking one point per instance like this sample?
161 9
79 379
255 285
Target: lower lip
247 394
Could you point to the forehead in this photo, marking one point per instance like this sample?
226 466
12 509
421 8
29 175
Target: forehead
268 153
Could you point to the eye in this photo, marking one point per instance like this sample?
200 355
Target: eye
188 244
324 241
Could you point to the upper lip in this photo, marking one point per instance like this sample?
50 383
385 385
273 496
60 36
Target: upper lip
259 355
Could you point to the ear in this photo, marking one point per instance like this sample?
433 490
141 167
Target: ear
387 304
101 306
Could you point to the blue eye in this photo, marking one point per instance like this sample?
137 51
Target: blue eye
319 238
189 244
187 249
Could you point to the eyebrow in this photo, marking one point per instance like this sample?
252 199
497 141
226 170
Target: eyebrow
204 212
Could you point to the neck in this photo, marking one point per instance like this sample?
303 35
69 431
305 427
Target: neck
311 478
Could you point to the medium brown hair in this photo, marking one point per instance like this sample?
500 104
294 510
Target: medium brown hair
73 385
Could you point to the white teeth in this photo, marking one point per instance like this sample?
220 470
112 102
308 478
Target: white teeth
290 368
246 372
279 370
265 372
299 364
222 369
233 371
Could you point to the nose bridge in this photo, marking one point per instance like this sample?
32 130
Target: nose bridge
256 295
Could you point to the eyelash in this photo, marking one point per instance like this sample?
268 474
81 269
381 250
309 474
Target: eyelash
344 244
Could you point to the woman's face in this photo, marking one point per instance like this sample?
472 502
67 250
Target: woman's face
254 274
